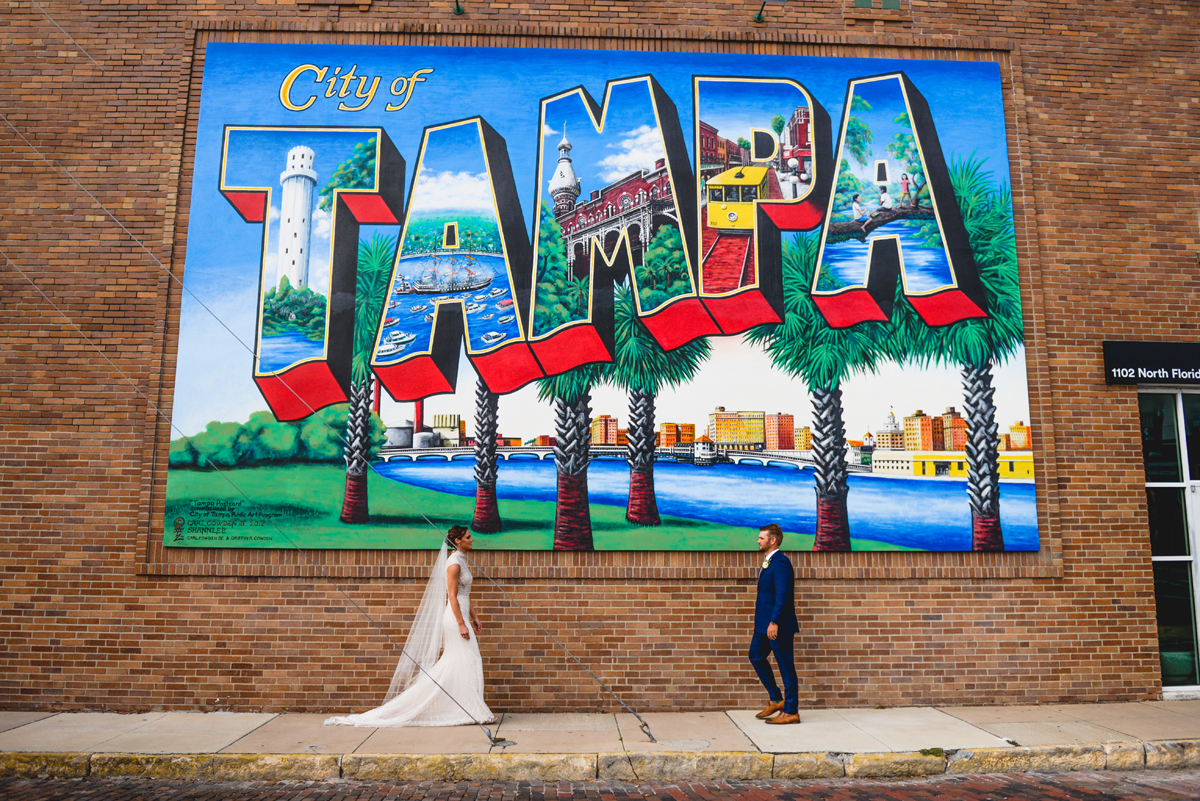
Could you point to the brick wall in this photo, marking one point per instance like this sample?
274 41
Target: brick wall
1101 111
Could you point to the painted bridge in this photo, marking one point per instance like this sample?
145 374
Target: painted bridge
787 459
503 452
464 453
799 459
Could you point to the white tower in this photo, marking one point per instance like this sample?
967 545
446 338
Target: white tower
564 186
299 182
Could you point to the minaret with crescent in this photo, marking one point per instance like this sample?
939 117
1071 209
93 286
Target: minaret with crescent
564 186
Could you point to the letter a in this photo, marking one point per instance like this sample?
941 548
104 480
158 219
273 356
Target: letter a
890 172
460 271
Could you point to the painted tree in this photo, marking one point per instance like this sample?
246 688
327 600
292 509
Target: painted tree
777 124
356 172
370 295
903 148
857 146
804 346
487 512
975 346
859 136
663 273
642 368
561 298
571 393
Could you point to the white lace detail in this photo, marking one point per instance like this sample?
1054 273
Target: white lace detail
464 577
459 672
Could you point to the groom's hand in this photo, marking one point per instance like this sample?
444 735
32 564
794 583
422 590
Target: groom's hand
772 631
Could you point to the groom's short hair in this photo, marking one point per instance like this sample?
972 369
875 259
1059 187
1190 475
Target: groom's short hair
774 530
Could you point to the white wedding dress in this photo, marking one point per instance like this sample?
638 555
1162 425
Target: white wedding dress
459 671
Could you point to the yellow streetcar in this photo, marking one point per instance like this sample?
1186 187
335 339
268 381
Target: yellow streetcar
731 197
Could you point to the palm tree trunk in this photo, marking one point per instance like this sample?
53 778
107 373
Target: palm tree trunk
983 454
487 513
572 516
642 508
358 426
829 454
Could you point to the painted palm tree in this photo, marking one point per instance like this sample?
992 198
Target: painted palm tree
370 295
572 395
804 346
642 368
487 512
975 346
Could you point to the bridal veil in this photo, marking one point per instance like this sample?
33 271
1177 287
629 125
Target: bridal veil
424 642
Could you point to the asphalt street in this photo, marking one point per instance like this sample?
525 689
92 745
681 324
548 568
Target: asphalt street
1138 786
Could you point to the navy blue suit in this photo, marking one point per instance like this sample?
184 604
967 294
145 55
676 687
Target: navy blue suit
776 603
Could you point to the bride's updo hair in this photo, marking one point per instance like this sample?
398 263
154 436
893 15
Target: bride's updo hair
455 534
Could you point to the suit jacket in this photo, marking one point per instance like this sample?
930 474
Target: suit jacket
776 602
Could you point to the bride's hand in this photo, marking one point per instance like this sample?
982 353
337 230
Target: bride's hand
477 625
464 631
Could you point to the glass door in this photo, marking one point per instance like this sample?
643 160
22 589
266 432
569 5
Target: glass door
1170 423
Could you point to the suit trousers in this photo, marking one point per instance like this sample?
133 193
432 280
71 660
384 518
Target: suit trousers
761 648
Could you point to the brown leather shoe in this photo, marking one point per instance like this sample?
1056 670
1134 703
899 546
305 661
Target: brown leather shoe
784 718
771 709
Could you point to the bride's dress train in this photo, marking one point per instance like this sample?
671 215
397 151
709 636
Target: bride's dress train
459 671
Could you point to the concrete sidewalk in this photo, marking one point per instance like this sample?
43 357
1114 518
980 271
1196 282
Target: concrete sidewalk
828 742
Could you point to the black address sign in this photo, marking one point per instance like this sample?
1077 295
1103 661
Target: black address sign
1171 363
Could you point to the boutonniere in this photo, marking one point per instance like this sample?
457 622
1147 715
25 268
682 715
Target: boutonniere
765 563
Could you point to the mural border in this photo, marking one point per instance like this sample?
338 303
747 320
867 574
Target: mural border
153 559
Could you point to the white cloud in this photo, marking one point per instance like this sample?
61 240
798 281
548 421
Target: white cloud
323 228
453 191
273 214
640 148
547 130
214 372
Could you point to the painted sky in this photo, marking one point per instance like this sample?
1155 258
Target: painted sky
241 87
453 174
631 139
887 102
734 107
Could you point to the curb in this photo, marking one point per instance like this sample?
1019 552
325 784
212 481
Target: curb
617 766
469 767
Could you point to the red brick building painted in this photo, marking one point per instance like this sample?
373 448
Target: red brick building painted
954 430
780 432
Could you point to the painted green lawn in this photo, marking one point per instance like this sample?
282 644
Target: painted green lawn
304 500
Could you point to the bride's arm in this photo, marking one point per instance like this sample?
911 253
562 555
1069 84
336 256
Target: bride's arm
452 573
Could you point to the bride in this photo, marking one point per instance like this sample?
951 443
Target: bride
446 691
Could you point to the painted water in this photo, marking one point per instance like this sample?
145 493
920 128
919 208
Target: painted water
282 351
406 312
925 268
929 514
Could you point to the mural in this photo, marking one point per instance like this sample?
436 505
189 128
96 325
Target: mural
624 301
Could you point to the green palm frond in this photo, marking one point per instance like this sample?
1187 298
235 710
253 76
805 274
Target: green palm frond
987 213
574 383
370 295
641 363
804 345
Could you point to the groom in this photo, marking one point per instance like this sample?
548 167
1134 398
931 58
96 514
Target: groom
775 628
